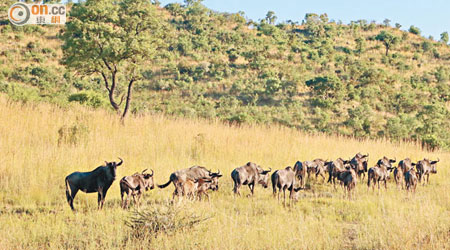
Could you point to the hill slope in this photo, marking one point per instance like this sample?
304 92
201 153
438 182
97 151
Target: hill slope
319 76
40 144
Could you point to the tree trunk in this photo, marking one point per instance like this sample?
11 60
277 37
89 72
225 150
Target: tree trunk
127 101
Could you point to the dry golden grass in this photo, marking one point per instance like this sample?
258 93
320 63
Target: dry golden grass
34 212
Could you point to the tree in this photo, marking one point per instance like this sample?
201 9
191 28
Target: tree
444 37
413 29
360 45
398 26
113 39
389 40
270 17
387 22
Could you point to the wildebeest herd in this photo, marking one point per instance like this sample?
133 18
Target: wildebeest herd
195 181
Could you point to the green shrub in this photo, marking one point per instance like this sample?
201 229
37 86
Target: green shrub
88 98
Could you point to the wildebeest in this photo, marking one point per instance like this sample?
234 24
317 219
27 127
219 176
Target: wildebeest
250 174
300 170
315 167
99 180
285 179
400 171
425 167
197 188
190 188
134 186
359 164
348 178
320 168
411 180
195 172
380 172
335 168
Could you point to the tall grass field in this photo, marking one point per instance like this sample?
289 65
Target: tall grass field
40 144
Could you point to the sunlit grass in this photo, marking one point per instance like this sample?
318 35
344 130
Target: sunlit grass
35 214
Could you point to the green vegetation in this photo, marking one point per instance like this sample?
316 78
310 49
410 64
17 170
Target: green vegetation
360 79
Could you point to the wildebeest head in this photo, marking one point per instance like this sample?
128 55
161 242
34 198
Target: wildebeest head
263 176
433 166
215 180
386 162
112 166
148 180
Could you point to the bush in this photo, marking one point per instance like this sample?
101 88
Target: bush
72 135
88 98
414 30
162 218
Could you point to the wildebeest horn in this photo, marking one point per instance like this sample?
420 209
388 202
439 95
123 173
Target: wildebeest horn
121 161
267 171
394 160
152 172
106 162
143 171
434 162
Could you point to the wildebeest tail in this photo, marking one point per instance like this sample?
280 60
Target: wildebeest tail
165 185
68 194
369 176
274 178
123 184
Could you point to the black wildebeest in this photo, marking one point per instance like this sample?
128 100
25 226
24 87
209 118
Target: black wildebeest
359 164
99 180
399 172
285 179
426 167
380 172
134 186
178 178
250 174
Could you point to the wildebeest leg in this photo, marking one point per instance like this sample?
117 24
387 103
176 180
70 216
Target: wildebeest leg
125 202
428 179
284 195
134 200
252 187
385 184
100 199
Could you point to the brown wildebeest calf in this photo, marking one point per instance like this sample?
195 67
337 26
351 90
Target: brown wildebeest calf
197 188
134 186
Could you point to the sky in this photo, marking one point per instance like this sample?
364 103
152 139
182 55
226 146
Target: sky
432 17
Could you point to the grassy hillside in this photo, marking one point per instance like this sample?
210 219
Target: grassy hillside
36 157
321 75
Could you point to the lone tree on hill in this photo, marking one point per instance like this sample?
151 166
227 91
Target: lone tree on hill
389 40
112 39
